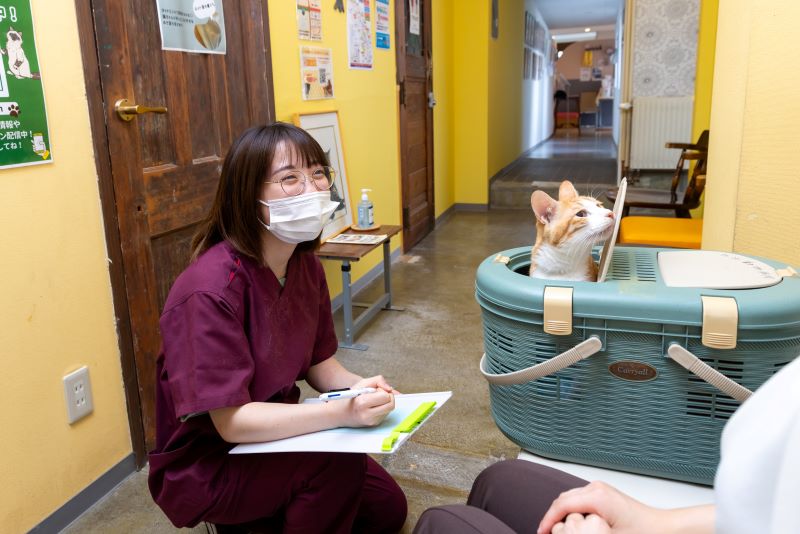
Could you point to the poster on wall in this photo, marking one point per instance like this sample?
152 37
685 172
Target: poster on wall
382 24
359 34
316 72
192 26
413 17
309 20
24 133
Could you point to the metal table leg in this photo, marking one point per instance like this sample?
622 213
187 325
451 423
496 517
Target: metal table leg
387 277
384 302
347 305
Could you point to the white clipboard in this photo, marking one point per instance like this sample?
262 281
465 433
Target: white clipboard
367 440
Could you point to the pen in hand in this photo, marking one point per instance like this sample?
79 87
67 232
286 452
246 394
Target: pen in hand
345 394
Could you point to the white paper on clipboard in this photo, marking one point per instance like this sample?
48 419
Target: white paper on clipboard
367 440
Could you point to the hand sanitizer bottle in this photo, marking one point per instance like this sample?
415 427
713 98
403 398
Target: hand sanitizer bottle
366 218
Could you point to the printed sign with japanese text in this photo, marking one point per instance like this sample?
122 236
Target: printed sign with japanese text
24 134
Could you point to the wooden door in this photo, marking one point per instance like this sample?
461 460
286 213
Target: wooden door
416 118
164 168
623 98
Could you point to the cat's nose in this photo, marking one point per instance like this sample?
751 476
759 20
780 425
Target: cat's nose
610 214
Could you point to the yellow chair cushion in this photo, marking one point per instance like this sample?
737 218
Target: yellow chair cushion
661 231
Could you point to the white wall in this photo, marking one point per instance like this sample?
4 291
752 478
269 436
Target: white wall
537 99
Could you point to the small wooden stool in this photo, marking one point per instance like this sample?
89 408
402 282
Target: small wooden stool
661 231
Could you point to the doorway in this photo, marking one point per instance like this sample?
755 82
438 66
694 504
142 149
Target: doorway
415 83
158 170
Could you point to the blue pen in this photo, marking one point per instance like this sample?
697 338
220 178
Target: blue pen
345 394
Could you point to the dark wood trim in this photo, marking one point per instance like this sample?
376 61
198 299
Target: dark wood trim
97 120
428 29
268 55
400 60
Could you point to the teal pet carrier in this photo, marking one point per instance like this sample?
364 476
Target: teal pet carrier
639 372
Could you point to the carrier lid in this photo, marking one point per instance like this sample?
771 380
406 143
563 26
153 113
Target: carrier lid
608 246
714 270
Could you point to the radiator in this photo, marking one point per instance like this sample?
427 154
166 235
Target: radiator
658 120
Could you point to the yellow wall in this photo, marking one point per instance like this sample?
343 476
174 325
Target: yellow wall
505 87
470 98
368 115
56 310
753 188
704 75
444 112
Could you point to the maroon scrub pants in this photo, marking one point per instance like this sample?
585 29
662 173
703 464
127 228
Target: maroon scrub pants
507 497
309 493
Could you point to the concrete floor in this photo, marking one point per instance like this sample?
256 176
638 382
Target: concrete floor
434 345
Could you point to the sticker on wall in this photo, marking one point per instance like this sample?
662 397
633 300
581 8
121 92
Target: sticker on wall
316 72
359 34
309 20
192 26
382 24
413 17
24 134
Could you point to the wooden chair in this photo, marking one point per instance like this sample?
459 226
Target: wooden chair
672 199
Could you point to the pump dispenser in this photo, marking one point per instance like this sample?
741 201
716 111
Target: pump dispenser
366 216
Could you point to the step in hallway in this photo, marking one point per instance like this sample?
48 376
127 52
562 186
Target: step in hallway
434 345
589 161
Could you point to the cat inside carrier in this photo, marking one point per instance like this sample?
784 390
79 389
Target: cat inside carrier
641 370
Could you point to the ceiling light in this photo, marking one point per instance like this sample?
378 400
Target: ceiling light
572 37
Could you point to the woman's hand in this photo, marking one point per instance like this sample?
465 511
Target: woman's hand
579 524
377 382
607 509
369 409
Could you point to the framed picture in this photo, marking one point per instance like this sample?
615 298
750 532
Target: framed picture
324 127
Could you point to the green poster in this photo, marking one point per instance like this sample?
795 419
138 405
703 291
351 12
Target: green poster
24 136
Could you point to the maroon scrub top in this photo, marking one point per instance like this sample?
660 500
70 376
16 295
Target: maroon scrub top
230 335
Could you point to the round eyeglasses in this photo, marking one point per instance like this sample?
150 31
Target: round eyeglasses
293 183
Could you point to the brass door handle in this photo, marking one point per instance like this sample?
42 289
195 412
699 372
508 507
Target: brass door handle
128 111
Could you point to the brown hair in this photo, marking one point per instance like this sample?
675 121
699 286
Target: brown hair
234 214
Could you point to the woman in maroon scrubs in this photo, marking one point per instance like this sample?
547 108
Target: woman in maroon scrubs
248 318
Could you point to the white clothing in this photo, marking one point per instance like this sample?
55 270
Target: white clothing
757 487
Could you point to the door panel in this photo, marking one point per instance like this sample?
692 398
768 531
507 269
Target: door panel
416 123
165 167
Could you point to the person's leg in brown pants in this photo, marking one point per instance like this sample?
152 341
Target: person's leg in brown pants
509 496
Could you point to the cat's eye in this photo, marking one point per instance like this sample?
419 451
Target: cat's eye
581 213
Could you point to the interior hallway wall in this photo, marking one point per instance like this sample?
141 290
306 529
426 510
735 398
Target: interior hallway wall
367 103
753 185
444 112
471 101
704 78
520 111
56 311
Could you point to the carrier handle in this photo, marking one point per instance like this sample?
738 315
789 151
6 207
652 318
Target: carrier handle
696 366
579 352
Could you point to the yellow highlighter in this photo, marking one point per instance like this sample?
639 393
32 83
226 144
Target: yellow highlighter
408 424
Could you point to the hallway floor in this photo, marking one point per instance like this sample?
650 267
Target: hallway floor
588 161
434 345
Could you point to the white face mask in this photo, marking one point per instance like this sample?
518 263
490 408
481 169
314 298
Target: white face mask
300 218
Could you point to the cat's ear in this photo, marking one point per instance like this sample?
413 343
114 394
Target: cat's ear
544 207
567 192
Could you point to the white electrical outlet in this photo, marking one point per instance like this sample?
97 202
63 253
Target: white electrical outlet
78 394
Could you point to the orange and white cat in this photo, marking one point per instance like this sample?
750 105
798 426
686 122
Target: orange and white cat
566 231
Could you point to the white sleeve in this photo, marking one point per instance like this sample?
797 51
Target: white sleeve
785 513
